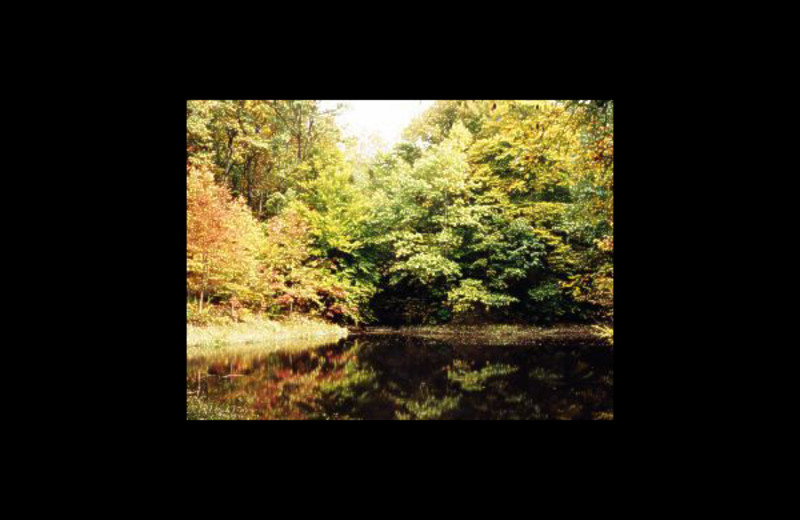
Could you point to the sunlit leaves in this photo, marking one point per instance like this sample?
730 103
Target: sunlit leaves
223 239
471 292
505 206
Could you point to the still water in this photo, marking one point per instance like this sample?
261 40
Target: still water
399 376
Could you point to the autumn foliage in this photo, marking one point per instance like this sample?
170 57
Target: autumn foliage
237 262
222 238
489 209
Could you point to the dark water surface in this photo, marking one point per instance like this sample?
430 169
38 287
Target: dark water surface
398 376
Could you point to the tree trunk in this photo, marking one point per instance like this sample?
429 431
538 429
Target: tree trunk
204 285
249 177
299 148
230 154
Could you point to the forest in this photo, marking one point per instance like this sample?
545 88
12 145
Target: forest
465 272
492 211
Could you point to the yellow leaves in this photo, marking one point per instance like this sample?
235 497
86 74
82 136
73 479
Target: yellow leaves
607 333
222 236
605 244
544 214
536 143
518 186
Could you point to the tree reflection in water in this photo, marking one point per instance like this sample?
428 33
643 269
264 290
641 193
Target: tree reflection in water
404 377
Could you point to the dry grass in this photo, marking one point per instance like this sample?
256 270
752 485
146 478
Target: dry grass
261 330
606 332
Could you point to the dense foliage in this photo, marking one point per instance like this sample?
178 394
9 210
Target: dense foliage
488 210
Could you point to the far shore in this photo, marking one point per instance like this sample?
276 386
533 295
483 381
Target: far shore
498 334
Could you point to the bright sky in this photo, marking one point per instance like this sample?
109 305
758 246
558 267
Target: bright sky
386 119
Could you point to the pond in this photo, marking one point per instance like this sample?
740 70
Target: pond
405 376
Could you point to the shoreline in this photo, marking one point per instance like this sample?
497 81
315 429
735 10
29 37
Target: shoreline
496 334
261 330
297 332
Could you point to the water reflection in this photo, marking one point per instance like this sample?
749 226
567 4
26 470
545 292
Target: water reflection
404 377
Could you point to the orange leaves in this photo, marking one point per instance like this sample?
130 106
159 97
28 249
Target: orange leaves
222 237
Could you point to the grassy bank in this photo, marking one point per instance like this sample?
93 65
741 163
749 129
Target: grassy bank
501 334
260 330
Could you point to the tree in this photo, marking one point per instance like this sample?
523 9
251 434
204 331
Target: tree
261 149
500 208
222 238
434 125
